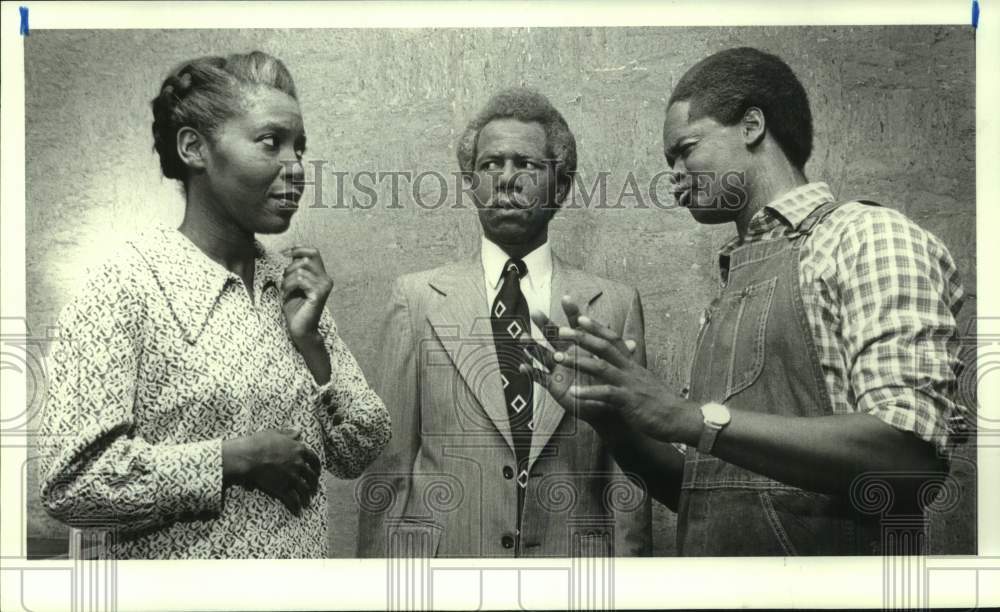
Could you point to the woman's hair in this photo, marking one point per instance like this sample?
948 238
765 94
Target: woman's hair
203 93
528 106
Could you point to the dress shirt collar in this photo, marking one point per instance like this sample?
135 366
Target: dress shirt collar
788 210
792 207
538 262
191 281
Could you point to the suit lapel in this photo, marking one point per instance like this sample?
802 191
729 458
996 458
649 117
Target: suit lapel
462 325
582 288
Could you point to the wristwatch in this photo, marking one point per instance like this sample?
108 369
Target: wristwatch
716 418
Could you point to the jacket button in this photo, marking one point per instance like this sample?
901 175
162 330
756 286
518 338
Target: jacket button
508 472
507 541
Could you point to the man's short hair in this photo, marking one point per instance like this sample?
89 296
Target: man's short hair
724 85
528 106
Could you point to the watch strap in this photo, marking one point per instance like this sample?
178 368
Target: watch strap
709 432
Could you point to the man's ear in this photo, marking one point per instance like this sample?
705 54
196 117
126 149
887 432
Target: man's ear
562 189
191 147
753 126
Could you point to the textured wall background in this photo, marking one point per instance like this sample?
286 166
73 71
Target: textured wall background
894 112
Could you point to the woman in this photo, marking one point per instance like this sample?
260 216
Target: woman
199 387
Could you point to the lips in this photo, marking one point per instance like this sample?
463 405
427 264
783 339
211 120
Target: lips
682 197
504 202
288 200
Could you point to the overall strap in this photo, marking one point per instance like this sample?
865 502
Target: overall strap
822 212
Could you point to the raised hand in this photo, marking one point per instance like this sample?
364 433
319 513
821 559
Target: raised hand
638 396
560 377
275 462
304 290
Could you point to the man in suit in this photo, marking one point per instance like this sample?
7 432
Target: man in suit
482 462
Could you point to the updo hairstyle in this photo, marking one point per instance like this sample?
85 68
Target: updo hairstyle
203 93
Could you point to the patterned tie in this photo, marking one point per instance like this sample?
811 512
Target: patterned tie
510 319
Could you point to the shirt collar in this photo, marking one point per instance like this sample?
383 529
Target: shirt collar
538 262
191 281
794 206
789 209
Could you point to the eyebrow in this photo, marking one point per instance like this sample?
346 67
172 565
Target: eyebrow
674 148
276 126
503 154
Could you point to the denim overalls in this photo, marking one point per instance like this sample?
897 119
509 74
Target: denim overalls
755 352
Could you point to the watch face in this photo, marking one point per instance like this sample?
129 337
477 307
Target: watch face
716 414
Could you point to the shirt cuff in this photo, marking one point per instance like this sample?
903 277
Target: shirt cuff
912 411
194 475
325 400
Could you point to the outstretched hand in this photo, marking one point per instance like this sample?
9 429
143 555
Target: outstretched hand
560 376
592 373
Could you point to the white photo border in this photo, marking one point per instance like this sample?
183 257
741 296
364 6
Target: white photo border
361 584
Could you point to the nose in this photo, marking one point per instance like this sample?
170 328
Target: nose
508 176
292 171
678 174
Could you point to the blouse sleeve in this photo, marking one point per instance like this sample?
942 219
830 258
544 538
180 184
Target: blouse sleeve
95 470
355 422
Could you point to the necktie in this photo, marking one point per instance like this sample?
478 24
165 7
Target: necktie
510 320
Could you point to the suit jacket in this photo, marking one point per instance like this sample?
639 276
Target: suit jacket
444 485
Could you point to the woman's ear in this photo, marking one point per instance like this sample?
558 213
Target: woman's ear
753 126
191 148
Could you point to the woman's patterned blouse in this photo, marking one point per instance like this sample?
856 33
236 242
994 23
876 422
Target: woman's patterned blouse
162 356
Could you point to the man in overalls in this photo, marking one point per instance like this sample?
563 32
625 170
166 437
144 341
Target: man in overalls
824 369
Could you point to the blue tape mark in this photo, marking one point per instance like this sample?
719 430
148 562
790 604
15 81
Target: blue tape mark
24 20
975 14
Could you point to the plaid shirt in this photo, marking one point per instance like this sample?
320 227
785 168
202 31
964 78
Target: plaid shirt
881 295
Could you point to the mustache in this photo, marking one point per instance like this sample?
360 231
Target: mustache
507 199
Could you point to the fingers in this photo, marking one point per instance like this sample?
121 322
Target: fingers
559 337
589 334
312 285
302 489
292 433
290 498
600 369
307 258
299 278
311 479
312 460
591 410
571 309
535 351
549 329
298 264
538 375
296 252
601 394
598 339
